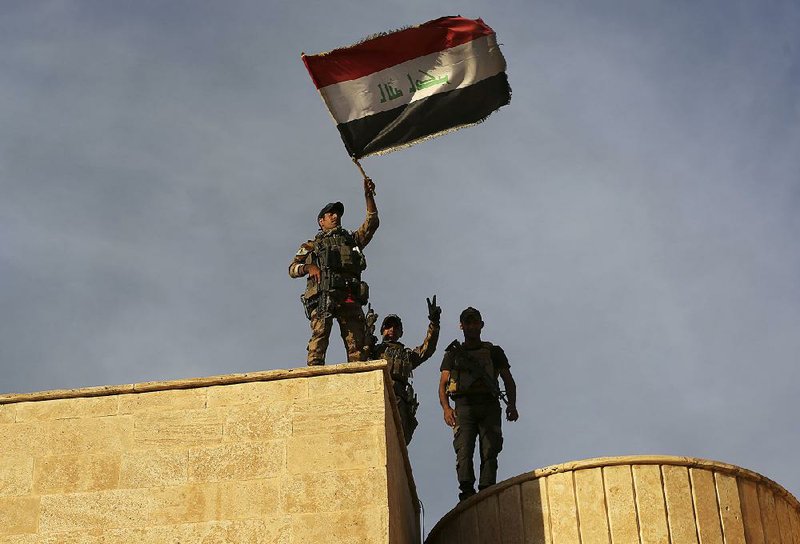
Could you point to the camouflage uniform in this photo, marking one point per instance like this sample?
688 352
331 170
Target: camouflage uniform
402 362
348 298
474 388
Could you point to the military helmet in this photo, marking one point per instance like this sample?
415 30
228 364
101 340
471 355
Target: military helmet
470 313
391 319
337 207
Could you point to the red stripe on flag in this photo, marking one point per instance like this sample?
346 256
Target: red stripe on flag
384 51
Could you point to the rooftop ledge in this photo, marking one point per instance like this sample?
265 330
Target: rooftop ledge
191 383
600 462
228 379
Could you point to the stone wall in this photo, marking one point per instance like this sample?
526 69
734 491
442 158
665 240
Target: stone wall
627 500
300 456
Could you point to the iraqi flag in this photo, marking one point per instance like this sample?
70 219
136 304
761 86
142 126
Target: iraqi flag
397 89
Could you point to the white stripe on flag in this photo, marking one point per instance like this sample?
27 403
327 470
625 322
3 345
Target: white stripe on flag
463 65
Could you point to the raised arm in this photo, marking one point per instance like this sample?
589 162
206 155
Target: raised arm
423 353
367 229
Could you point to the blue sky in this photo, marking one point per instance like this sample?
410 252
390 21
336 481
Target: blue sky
627 225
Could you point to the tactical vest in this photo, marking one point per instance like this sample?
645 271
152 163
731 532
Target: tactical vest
338 253
472 371
398 357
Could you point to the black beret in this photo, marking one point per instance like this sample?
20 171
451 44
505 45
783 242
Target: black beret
337 207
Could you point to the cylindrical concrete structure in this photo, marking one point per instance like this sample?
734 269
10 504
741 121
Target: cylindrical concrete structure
627 500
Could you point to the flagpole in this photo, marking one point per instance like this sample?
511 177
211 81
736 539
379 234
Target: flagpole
361 169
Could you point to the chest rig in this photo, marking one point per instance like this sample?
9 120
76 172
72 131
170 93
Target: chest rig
472 371
341 262
399 359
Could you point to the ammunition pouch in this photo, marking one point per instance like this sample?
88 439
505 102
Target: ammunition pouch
309 304
340 253
400 367
362 294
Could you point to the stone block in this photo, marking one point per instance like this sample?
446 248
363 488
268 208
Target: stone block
258 422
18 515
335 451
86 511
338 415
469 527
16 475
730 509
18 438
90 435
537 511
273 531
129 508
367 526
563 511
73 473
650 504
489 528
751 512
185 427
511 516
621 501
237 461
186 504
277 391
78 537
680 506
332 491
346 385
8 413
706 509
163 401
590 499
67 408
769 516
251 499
154 468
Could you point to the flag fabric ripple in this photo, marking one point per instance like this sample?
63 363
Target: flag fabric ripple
397 89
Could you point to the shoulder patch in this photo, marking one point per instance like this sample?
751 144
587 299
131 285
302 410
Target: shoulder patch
305 249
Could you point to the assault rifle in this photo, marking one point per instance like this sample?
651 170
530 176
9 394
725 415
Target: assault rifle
369 329
323 301
325 258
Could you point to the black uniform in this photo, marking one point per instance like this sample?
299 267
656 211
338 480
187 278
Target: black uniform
474 388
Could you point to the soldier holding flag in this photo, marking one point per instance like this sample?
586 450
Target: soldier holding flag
333 262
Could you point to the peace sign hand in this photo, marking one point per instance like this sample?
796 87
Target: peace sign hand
434 311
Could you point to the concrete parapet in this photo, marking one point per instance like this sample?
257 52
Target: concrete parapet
626 500
297 456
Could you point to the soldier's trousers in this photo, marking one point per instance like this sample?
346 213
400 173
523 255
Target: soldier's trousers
477 418
351 327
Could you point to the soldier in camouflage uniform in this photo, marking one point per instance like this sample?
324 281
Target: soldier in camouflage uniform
402 362
333 262
469 374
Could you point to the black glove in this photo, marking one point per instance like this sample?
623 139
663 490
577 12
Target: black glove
434 312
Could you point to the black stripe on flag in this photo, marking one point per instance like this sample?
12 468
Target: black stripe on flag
437 113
